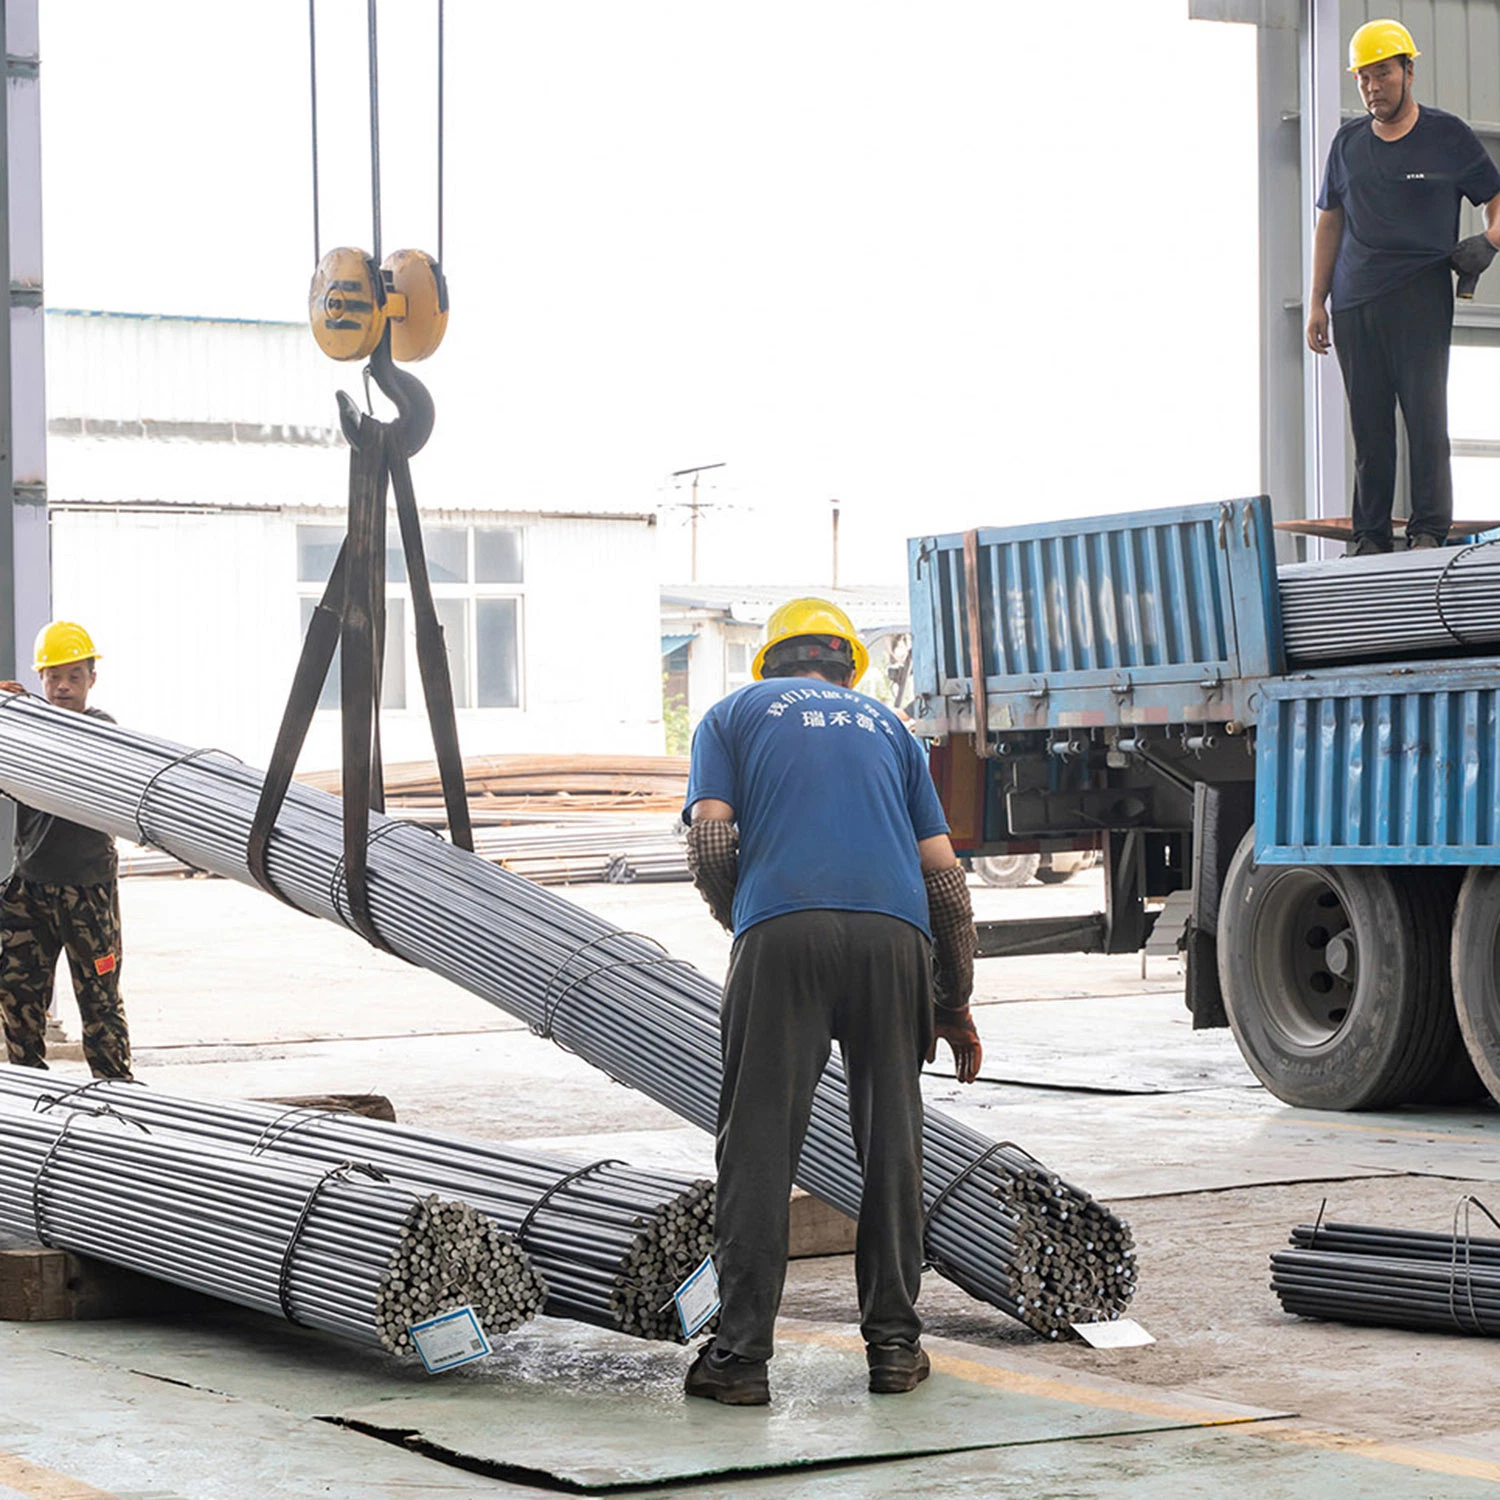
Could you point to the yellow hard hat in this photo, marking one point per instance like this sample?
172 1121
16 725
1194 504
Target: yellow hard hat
812 617
60 643
1377 40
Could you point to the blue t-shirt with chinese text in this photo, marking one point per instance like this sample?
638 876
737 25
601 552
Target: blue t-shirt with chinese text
1400 200
831 793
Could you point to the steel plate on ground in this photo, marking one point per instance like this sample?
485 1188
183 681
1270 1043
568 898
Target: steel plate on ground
597 1410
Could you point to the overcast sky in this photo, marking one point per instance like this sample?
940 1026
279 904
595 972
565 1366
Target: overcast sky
955 262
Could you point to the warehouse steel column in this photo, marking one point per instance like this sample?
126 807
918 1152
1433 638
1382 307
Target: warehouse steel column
25 572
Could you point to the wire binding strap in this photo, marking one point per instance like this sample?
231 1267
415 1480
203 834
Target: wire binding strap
146 840
551 1003
557 1187
550 1015
51 1151
284 1277
69 1095
1437 594
1464 1206
952 1186
338 889
276 1131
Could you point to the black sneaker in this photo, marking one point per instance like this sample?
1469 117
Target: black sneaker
896 1368
1366 546
1421 541
718 1375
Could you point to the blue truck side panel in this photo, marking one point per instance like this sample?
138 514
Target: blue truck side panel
1172 617
1154 617
1380 768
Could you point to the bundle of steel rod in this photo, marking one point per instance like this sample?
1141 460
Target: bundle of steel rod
1444 600
604 782
332 1248
616 999
1395 1278
612 1242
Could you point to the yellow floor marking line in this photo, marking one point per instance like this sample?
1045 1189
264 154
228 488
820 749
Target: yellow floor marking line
1042 1386
1455 1464
31 1479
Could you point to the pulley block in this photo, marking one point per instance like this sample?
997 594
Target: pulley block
346 304
416 304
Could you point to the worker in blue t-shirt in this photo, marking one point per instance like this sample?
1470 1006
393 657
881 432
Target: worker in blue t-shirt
817 837
1384 250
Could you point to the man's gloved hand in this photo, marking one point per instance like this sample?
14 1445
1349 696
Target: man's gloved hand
713 854
956 1027
1471 259
951 916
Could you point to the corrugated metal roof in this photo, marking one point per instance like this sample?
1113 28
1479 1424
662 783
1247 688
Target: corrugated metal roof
868 606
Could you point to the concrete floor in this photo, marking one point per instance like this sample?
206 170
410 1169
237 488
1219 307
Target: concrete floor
1092 1067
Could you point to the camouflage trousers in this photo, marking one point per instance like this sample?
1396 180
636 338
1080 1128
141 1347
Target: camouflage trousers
37 922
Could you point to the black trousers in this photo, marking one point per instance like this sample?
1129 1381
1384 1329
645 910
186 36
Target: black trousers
1396 349
795 984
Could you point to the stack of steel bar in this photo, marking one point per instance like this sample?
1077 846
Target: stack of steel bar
612 1242
1395 1278
1444 600
332 1248
613 998
499 784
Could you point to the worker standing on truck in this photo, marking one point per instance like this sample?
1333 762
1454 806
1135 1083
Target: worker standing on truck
1384 250
62 896
816 836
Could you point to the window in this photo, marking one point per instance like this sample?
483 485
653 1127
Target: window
318 550
393 674
477 575
497 656
738 656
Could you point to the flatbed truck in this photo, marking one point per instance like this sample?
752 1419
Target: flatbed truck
1331 837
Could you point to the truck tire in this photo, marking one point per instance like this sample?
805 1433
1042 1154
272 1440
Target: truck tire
1476 985
1006 870
1331 984
1451 1077
1064 867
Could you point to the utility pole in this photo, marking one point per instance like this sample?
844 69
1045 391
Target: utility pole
835 505
694 507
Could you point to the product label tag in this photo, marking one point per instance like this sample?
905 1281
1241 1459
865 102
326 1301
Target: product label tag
697 1298
1121 1333
449 1340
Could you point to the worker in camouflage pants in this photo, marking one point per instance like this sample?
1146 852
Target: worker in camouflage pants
62 897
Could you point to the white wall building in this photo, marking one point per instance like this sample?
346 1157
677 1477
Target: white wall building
710 634
197 481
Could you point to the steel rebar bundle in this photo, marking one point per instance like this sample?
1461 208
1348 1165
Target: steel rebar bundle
1395 1278
1444 599
332 1248
611 1241
998 1225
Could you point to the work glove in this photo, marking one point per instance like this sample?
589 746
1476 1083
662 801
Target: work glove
951 917
1471 259
713 856
956 1027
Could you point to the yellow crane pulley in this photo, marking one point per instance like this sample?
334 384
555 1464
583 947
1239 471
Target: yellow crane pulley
352 302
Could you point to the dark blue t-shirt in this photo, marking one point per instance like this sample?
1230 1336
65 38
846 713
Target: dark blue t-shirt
831 793
1400 200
